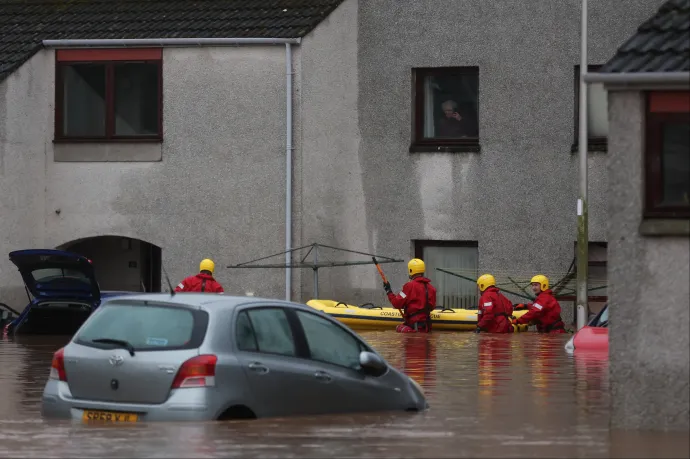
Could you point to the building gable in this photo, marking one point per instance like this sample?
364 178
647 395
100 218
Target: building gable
24 24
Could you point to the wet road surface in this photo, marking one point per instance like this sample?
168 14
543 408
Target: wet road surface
491 396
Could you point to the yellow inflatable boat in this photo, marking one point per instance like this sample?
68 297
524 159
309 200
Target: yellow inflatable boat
377 317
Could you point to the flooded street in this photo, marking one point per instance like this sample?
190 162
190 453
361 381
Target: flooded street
490 396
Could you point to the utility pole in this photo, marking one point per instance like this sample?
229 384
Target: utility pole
582 223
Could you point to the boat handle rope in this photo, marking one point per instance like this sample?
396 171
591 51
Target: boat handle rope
371 306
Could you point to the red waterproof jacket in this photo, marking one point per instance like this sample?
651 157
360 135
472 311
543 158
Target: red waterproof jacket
494 312
201 282
413 300
545 312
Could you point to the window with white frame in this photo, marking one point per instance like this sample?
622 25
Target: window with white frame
597 113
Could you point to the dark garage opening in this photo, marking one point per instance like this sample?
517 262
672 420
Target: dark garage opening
121 264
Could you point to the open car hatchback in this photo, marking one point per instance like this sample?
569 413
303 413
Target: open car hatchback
62 290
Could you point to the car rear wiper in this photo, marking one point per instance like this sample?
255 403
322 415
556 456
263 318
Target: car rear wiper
122 343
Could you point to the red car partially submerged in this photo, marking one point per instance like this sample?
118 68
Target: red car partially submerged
593 337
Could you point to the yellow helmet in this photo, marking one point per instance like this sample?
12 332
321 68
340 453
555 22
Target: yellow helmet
542 280
415 266
485 281
207 265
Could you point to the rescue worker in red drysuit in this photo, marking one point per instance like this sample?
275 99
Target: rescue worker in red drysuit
416 301
494 309
544 312
202 282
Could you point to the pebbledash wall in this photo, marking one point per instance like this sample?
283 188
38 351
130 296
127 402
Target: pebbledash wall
516 199
219 188
649 274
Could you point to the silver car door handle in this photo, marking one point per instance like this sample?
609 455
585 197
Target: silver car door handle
259 368
323 376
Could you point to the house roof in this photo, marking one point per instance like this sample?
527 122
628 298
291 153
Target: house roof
24 24
661 44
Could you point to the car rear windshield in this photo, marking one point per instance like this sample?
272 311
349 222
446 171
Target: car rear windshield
146 327
48 274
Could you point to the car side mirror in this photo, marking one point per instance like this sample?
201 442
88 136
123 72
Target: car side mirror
372 364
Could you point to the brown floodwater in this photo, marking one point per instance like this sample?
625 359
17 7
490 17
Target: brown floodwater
491 396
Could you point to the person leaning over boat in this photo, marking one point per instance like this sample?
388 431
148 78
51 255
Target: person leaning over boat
202 282
544 312
494 309
416 300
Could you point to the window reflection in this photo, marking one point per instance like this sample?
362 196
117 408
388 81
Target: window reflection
84 100
676 164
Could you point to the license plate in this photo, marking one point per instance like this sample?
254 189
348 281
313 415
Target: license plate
109 416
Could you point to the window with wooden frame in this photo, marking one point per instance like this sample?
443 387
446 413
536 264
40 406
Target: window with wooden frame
108 95
667 155
445 109
597 113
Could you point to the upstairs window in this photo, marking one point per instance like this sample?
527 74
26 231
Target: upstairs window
108 95
667 155
597 113
446 109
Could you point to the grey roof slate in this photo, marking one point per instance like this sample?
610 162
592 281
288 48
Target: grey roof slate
25 23
661 44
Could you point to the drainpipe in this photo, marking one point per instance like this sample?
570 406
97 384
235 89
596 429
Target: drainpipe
288 171
187 42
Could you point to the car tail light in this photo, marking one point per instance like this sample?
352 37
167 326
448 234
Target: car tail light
199 371
57 368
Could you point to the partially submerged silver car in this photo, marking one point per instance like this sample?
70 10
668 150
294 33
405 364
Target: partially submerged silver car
190 357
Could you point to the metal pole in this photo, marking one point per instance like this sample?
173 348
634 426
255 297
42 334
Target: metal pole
582 224
288 171
316 272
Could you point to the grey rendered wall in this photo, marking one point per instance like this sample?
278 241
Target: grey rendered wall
25 118
649 293
332 206
218 191
380 197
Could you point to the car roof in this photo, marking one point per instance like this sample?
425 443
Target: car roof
206 301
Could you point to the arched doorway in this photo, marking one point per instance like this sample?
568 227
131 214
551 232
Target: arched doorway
121 263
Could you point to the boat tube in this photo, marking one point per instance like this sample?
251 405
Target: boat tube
369 316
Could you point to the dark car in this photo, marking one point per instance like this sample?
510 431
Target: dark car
62 291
